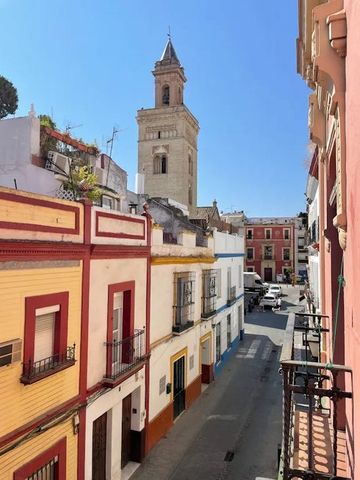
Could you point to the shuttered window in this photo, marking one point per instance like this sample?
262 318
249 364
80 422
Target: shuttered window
44 336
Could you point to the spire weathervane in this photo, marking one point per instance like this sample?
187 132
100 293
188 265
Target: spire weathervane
169 33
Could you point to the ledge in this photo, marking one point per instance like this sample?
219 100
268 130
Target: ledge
179 329
26 380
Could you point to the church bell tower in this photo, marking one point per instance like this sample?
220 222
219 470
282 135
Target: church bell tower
167 154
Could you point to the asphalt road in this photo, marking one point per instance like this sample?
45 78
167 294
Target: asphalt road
233 430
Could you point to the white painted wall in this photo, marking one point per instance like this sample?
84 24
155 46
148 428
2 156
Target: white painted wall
111 402
102 274
19 140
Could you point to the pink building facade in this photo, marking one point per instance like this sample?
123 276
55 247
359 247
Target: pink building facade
270 249
329 60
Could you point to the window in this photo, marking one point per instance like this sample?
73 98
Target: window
240 317
268 252
240 276
218 342
286 254
10 352
160 164
250 253
209 293
229 330
124 345
286 234
249 234
267 233
218 283
49 465
45 336
166 95
190 195
184 284
159 134
190 165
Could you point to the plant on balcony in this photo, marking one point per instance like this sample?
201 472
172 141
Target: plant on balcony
84 184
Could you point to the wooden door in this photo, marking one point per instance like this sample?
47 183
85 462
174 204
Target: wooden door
126 431
179 386
268 274
99 448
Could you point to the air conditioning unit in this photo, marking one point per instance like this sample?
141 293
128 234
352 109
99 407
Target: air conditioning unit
10 352
101 175
59 163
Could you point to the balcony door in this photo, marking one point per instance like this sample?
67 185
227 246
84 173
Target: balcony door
268 274
117 334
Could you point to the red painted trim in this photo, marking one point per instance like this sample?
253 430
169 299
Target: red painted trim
147 344
102 233
26 251
59 449
119 251
40 203
41 420
61 321
84 339
128 314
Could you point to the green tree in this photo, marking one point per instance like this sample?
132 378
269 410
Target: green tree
8 98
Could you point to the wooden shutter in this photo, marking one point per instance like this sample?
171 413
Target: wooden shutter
44 336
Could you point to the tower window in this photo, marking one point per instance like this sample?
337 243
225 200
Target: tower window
166 95
191 170
159 134
190 195
160 164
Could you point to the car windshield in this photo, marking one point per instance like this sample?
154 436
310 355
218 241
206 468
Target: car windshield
269 297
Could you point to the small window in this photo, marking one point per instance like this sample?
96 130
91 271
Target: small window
286 234
159 134
107 202
267 233
160 164
190 196
229 330
250 253
218 342
249 234
10 352
191 170
286 254
166 95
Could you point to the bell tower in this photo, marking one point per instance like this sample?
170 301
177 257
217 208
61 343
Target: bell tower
167 144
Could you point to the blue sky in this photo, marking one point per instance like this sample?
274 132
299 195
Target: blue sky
89 63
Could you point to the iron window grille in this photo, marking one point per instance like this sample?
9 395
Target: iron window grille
231 295
50 471
184 285
34 371
209 293
125 354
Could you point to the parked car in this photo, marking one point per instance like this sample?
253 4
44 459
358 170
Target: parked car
275 290
270 301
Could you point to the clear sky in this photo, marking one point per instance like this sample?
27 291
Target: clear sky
89 63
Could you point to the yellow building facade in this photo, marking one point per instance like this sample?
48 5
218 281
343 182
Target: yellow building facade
41 281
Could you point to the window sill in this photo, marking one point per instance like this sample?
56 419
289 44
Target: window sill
26 380
206 316
179 329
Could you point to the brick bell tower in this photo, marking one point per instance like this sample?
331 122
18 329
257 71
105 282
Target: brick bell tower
167 152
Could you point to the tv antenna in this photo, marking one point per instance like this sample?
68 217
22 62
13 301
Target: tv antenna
111 140
71 127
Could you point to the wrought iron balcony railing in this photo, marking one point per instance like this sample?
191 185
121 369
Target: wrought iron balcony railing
124 355
34 371
231 295
183 317
311 435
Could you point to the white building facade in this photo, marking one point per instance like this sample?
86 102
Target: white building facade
312 193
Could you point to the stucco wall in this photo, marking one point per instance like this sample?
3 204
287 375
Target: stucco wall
352 253
102 274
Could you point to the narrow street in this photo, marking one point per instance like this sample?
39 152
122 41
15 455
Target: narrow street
234 428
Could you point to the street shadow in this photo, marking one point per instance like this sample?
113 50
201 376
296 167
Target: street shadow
268 318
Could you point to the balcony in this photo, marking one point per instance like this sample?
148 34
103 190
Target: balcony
231 297
183 318
35 371
313 446
208 306
123 356
268 256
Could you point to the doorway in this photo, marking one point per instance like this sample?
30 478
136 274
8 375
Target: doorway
205 359
126 431
179 386
99 448
268 274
